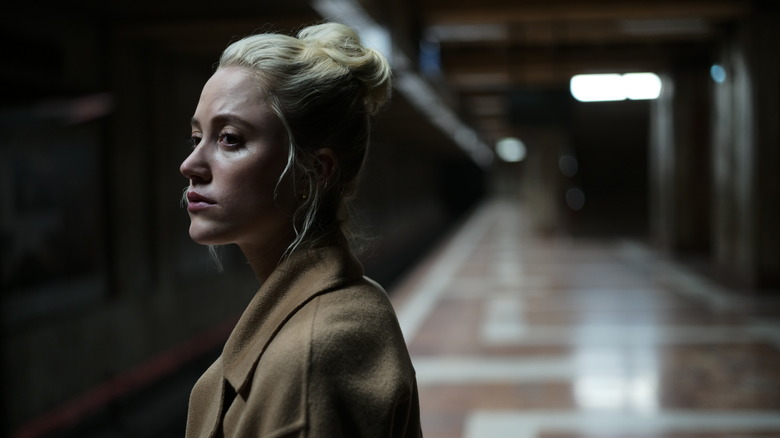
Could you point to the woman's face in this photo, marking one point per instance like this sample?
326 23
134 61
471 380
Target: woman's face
240 150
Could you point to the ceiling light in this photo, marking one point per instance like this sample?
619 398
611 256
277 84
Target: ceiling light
511 150
641 86
615 87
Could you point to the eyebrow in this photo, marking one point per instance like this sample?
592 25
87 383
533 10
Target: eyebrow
223 119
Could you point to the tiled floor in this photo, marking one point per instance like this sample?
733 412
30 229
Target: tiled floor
519 336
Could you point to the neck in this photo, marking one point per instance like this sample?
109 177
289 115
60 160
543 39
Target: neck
263 259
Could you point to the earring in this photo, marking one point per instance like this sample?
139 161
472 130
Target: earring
303 196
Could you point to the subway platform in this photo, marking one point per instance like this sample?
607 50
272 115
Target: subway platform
515 335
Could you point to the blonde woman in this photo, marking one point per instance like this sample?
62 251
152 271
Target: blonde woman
279 136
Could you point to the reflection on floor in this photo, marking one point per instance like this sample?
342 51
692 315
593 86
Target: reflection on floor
514 335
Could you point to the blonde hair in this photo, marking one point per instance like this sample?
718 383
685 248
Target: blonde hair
324 86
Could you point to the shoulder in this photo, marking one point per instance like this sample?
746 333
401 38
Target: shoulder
356 316
356 301
355 331
361 381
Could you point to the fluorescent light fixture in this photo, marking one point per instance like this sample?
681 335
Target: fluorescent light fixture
615 87
641 86
597 88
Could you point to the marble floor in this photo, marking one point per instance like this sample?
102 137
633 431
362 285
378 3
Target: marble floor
515 335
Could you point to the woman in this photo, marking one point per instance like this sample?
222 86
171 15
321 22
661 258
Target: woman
279 135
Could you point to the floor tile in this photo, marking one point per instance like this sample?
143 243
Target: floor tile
517 335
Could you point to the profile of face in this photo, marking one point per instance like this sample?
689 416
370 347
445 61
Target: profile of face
240 151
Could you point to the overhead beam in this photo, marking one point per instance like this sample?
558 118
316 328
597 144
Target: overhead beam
435 12
474 70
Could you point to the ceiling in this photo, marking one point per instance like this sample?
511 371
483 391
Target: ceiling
480 53
475 55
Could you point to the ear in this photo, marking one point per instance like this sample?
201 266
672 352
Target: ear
326 164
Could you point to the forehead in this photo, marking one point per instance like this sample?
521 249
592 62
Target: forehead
228 77
231 89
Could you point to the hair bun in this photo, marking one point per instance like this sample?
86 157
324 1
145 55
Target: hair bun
342 45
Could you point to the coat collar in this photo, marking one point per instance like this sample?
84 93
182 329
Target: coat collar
298 279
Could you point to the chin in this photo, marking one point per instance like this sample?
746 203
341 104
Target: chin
200 240
205 237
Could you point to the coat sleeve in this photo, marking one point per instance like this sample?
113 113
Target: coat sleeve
361 382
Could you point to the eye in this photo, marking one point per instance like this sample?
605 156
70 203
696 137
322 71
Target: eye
194 140
230 140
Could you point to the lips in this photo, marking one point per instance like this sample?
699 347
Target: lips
198 202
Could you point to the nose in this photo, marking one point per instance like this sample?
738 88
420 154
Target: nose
195 167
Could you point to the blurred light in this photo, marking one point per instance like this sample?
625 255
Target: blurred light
597 88
613 377
511 150
378 38
351 13
466 137
430 58
575 198
568 165
618 392
641 86
718 73
615 87
422 96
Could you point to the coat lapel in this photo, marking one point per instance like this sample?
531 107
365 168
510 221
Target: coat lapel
208 401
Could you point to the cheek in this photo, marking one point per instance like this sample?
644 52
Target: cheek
253 190
260 182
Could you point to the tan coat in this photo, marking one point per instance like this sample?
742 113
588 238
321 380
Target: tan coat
317 353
